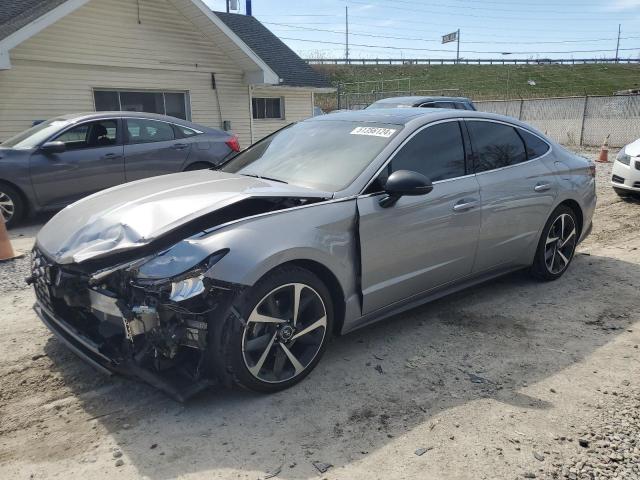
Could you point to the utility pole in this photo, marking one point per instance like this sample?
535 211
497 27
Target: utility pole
228 5
458 50
346 42
618 44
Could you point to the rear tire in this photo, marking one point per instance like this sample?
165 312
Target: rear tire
265 350
12 205
557 245
198 166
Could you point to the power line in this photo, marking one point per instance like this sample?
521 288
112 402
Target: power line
449 51
484 8
546 18
364 34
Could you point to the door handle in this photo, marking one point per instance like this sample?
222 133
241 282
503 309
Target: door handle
179 146
542 187
464 205
110 156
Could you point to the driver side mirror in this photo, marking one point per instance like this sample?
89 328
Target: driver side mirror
53 147
404 182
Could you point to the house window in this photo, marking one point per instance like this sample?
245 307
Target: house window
268 107
175 104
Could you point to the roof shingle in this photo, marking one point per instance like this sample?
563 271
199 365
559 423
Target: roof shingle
274 52
15 14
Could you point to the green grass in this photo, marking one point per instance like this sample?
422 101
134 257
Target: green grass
482 82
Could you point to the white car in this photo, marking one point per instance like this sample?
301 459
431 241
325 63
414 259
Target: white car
625 175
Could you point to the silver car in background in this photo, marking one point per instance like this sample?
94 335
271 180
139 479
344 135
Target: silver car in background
69 157
240 276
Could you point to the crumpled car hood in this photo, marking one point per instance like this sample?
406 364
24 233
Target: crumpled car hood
134 214
633 149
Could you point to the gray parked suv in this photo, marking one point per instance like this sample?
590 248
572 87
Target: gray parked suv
459 103
66 158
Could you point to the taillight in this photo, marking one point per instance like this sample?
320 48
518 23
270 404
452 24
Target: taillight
233 143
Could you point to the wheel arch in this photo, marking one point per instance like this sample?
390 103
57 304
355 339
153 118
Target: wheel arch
575 207
333 285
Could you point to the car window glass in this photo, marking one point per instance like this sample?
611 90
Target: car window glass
437 152
444 105
36 135
186 132
428 105
496 145
147 131
102 133
536 147
323 154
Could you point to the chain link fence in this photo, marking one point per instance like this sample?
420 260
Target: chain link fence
576 120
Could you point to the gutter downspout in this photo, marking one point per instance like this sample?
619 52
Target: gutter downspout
250 90
218 100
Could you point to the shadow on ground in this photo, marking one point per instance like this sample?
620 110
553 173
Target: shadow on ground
372 385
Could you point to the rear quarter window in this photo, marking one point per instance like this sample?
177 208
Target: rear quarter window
536 147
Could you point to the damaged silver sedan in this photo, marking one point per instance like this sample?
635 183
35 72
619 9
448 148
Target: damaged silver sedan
239 276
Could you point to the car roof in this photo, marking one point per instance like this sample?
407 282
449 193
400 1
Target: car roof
416 115
397 116
415 99
83 116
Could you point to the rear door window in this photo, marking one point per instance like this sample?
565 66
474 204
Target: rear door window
148 131
495 145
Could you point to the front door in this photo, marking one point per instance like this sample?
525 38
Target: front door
92 161
421 242
517 190
152 148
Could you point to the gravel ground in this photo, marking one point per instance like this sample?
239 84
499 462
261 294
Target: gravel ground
611 442
13 273
509 380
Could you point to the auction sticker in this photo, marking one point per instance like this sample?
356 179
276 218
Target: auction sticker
374 131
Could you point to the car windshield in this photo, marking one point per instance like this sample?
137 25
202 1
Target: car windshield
325 155
36 135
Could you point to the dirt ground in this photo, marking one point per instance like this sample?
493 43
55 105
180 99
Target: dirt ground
499 381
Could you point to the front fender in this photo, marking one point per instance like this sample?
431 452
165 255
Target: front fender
323 233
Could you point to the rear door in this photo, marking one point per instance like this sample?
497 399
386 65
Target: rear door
425 241
92 161
517 190
153 147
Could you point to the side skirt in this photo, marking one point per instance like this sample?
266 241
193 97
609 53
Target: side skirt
424 297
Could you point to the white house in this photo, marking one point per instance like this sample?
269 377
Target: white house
164 56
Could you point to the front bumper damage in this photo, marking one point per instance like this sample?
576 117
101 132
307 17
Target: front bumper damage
118 326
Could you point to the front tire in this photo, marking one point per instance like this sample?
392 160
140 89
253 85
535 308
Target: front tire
285 322
12 206
557 245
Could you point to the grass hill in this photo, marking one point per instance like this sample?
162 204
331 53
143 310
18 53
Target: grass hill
484 81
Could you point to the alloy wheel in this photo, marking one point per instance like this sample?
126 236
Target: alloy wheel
560 244
284 333
7 207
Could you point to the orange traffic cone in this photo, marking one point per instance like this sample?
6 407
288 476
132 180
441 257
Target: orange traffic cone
604 151
6 250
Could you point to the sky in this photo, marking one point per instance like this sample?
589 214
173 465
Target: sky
488 29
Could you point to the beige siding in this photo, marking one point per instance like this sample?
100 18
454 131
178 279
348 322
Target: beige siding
297 106
101 45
